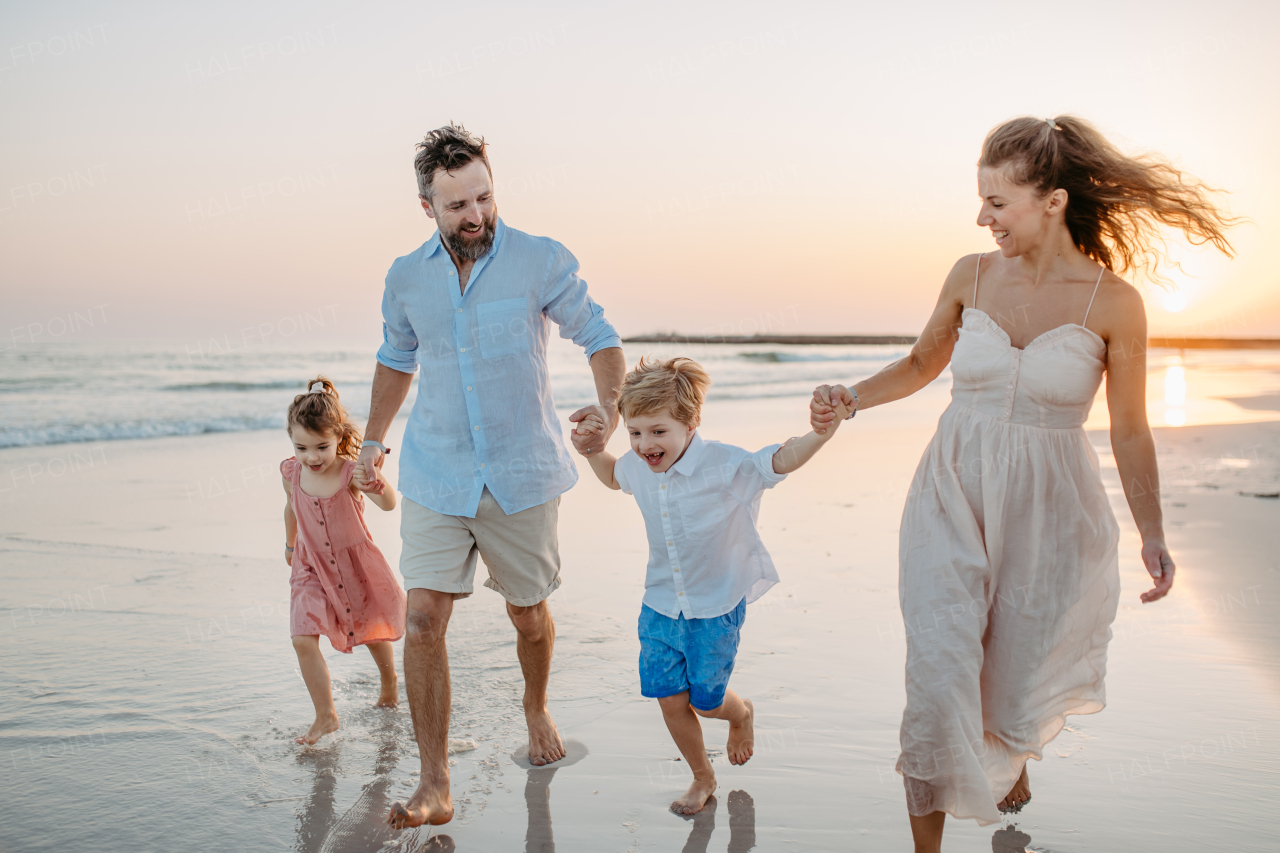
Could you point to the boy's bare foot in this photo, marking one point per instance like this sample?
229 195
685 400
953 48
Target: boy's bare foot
544 738
321 727
1019 796
431 804
390 695
742 737
696 797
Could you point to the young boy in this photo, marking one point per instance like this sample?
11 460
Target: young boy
700 501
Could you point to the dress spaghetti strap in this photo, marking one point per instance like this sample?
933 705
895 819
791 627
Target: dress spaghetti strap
975 283
1091 298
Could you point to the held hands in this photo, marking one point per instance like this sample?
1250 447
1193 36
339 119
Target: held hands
830 405
288 557
366 475
594 426
1156 559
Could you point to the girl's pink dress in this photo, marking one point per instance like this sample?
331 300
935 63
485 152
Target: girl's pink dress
342 586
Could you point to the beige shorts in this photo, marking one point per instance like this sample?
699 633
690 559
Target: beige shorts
520 550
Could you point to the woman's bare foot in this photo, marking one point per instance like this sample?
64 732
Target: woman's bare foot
696 797
1019 796
321 727
544 738
431 804
742 737
390 695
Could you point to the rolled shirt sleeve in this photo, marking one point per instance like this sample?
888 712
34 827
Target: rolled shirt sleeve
566 302
760 467
399 350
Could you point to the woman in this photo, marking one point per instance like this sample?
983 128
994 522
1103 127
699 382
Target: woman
1008 563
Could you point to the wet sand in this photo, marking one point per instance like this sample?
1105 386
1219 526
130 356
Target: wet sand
150 682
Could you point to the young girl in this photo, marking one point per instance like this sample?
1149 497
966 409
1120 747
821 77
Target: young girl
341 584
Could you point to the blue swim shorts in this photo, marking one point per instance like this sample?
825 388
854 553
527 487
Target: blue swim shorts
689 654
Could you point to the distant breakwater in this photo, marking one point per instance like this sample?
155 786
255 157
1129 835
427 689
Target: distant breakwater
901 340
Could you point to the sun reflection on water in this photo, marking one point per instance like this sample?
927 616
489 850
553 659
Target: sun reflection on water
1175 392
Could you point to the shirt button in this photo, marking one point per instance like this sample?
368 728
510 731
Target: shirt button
348 609
351 633
1010 384
676 570
459 310
481 464
339 586
477 429
679 593
331 562
664 515
664 487
464 349
450 272
468 387
322 524
671 543
326 544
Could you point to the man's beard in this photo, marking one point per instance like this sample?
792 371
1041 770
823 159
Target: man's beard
471 248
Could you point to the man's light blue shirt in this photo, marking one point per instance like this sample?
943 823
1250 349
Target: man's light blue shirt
484 414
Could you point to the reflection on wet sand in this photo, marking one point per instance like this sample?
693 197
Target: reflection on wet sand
1010 840
742 824
537 799
361 827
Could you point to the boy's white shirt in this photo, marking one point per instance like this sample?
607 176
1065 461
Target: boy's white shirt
705 554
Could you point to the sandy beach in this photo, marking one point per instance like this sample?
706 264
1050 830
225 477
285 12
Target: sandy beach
151 688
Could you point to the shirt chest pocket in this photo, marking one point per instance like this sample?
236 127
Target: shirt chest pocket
703 516
503 328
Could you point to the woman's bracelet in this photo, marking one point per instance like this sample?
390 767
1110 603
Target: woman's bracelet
287 548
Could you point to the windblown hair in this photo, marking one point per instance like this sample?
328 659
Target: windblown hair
1116 205
450 148
652 386
324 414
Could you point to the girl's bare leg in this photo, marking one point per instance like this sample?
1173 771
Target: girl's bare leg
384 655
315 672
927 832
686 731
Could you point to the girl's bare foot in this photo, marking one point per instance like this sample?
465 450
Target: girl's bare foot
696 797
430 804
390 695
321 727
742 737
1019 796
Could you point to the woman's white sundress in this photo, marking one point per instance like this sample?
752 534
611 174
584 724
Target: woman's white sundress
1008 569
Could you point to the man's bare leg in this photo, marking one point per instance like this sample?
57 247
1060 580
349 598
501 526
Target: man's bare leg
927 832
741 716
535 641
686 731
426 675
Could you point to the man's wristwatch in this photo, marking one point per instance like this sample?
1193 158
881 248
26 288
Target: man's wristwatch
855 405
386 451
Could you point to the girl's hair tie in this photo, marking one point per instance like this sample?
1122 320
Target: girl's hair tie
1052 124
317 388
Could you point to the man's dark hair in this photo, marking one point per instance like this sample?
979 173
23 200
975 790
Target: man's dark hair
450 148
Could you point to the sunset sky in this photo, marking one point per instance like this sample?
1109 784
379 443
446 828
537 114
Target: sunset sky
735 167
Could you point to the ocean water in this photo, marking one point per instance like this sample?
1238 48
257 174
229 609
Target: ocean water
105 391
111 390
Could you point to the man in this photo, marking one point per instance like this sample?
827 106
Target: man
484 464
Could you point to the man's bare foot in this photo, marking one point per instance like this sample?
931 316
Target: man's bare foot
431 804
544 738
742 737
1019 796
321 727
390 695
696 797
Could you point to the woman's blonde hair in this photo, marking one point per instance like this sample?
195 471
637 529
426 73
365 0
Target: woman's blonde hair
653 385
1116 204
322 413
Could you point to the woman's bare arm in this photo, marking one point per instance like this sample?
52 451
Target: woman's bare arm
1124 322
929 355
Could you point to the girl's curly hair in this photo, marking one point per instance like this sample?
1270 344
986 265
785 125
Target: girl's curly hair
323 414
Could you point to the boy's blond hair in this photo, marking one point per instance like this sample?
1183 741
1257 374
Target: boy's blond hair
678 383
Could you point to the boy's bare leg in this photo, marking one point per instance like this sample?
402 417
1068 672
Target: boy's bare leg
426 674
384 655
741 716
927 832
315 672
686 731
535 642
